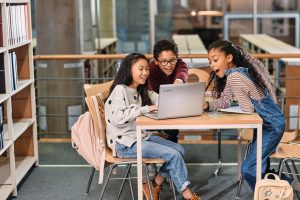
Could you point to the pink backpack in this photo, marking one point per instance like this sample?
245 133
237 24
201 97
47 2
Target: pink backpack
87 138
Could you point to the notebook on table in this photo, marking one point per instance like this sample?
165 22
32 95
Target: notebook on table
234 110
179 100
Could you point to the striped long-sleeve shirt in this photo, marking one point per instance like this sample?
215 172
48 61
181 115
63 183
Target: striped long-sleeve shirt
238 87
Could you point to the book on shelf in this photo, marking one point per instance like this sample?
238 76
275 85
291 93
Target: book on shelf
17 23
1 128
1 30
2 75
12 58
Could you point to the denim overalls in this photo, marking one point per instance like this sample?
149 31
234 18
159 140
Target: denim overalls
272 131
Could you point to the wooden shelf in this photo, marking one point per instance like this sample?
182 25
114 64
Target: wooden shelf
20 126
23 164
5 175
20 151
5 191
21 85
19 45
16 1
7 143
3 97
3 49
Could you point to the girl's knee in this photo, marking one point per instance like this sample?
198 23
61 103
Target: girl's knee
181 150
176 154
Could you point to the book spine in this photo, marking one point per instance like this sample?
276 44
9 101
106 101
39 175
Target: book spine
1 129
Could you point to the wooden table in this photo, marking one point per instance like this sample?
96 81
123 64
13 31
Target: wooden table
204 121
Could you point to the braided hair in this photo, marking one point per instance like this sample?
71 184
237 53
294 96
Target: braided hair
257 71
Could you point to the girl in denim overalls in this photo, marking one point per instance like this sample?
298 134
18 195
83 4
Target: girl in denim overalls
238 76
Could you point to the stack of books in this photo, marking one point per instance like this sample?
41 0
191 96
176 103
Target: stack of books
17 25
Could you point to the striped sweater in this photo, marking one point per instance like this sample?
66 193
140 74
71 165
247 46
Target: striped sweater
238 87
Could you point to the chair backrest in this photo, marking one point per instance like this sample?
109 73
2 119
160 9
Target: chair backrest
101 88
198 75
93 103
100 92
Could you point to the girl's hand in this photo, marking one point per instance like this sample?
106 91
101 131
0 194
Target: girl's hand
205 105
178 81
152 108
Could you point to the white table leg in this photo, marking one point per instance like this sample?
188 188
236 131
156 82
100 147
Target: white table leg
239 154
259 152
139 162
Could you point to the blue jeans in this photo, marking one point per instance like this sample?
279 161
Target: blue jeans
269 144
273 129
157 147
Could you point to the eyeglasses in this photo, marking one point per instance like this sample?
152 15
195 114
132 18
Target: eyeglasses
165 62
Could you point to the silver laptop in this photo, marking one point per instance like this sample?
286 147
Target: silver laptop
179 100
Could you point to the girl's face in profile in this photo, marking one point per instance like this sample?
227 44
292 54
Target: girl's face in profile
139 72
219 62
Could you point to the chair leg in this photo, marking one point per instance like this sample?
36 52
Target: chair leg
148 181
90 181
289 171
238 191
297 176
279 164
106 181
130 185
295 170
173 189
285 162
125 178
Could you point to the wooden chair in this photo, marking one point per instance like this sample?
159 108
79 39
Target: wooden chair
197 75
289 152
101 92
283 152
94 89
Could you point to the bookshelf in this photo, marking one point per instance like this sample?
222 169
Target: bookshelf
19 151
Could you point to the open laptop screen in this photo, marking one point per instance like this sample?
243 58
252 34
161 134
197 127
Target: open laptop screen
180 100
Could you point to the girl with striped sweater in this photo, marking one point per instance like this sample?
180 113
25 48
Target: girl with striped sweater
238 76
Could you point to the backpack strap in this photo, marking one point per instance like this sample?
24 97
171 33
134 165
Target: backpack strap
272 174
100 141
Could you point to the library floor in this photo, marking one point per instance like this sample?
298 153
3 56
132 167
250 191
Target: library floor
63 175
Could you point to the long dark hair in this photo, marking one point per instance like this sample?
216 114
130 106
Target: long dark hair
124 76
257 71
